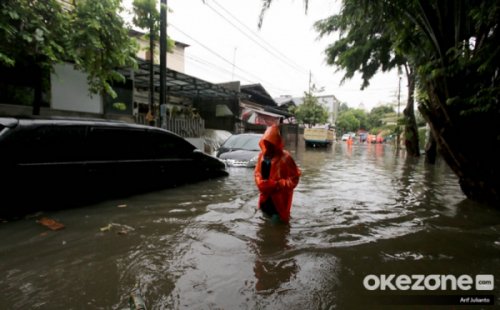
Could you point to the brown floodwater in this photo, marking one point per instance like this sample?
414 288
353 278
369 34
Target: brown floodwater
357 211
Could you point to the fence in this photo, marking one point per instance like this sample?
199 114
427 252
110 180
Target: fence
185 127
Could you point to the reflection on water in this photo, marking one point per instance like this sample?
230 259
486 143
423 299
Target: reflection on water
358 210
272 266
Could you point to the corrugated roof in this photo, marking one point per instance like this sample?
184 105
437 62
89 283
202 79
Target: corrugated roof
179 84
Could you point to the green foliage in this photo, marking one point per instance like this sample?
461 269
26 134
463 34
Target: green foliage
365 44
354 119
33 31
311 112
347 121
375 118
101 43
146 15
120 106
343 107
91 35
361 117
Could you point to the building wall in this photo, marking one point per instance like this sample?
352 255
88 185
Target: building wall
175 59
70 91
332 103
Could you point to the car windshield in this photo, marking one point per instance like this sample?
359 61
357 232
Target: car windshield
243 142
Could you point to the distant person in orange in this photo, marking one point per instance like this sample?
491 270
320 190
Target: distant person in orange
276 176
349 140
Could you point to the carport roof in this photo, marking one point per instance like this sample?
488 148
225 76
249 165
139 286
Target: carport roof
180 84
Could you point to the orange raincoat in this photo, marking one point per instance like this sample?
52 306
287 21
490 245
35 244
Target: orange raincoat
283 178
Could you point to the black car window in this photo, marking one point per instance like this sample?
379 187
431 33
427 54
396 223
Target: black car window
48 144
243 142
170 146
117 144
135 143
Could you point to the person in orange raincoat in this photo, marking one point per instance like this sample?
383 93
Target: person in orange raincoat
276 175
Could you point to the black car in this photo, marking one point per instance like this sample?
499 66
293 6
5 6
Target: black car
240 150
73 161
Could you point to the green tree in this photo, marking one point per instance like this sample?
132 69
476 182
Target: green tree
362 118
352 119
311 112
343 107
90 34
147 16
33 36
347 122
101 43
376 116
33 32
453 48
366 45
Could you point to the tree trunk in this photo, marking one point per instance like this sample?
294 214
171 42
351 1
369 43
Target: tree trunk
468 142
431 149
461 80
411 130
37 86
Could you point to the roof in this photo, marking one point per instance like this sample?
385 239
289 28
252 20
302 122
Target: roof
273 111
284 100
179 84
258 94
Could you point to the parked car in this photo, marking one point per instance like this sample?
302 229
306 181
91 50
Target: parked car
240 150
346 136
74 160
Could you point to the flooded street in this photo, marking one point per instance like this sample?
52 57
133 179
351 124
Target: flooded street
357 211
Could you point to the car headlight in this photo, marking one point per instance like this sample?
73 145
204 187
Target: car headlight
253 161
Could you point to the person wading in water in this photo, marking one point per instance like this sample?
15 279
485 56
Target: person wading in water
276 176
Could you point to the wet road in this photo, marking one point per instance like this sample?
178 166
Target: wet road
357 211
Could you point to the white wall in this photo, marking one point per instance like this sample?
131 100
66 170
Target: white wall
69 91
175 60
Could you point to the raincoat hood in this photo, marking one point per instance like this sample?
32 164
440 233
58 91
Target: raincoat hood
273 136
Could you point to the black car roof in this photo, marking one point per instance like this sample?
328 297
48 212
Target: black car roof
28 121
8 121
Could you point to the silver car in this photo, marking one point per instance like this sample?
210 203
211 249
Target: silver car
240 150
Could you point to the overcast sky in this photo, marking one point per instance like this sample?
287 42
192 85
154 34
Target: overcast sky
225 44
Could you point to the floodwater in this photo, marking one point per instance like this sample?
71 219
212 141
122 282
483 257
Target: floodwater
357 211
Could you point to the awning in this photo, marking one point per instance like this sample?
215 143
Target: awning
266 109
259 117
179 84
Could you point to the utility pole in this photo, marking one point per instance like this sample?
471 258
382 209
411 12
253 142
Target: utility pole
234 63
151 73
310 81
163 56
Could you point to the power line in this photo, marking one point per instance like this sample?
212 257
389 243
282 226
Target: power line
275 53
222 58
257 35
203 64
